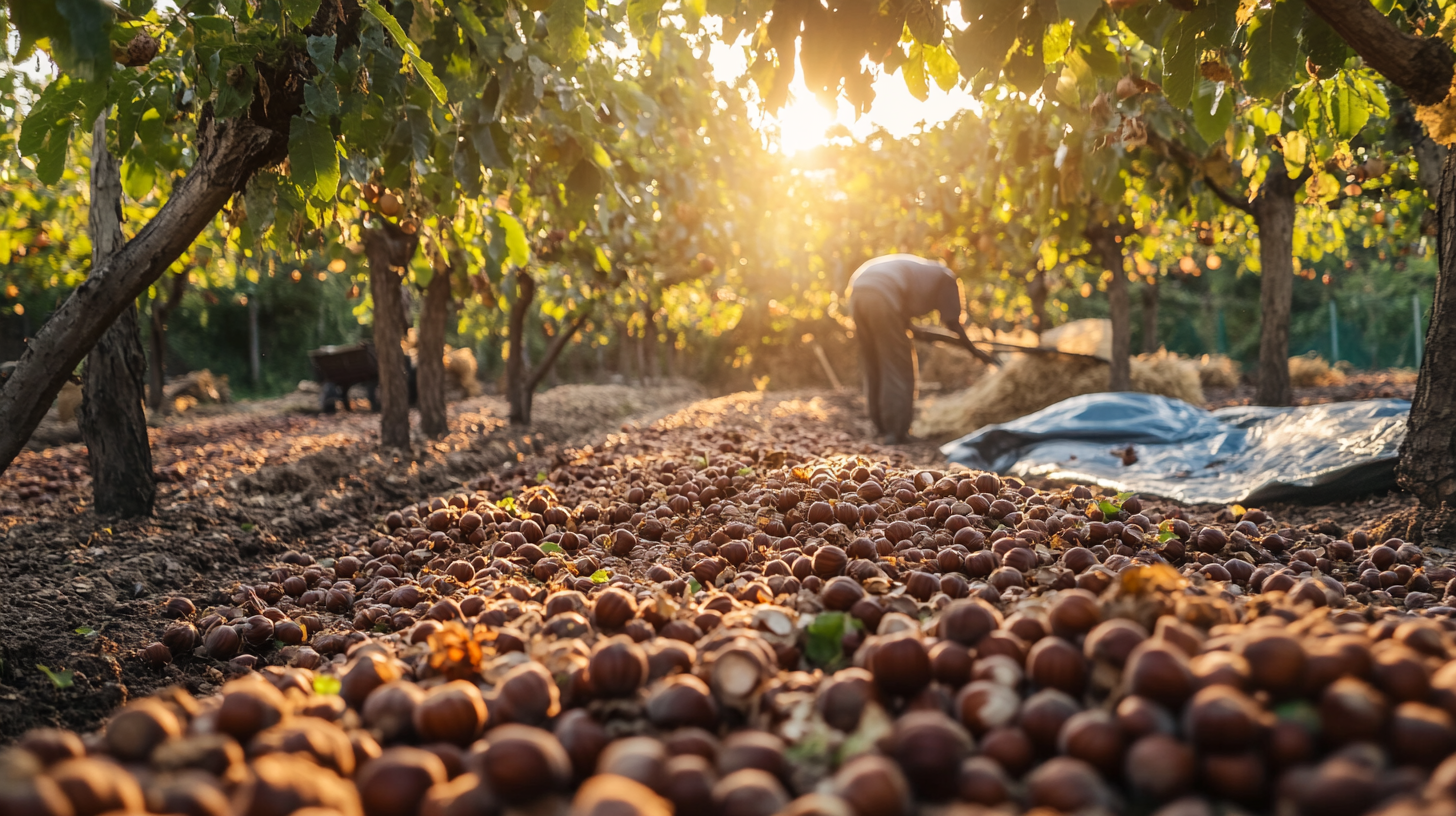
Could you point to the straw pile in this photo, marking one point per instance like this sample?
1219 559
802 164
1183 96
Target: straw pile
461 367
1218 371
1308 370
1028 383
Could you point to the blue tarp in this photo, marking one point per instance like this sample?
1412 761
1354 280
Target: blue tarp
1241 454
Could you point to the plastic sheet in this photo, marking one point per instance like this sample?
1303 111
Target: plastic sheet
1241 454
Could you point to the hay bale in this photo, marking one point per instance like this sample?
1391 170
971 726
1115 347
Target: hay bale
461 368
1028 383
68 401
1091 336
1309 370
1218 371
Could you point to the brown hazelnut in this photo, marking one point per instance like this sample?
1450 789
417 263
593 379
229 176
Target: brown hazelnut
1139 717
52 745
641 759
1067 785
1220 669
929 747
140 727
968 621
617 668
1351 711
156 654
608 795
843 698
1420 734
749 792
33 795
180 608
453 712
1095 738
688 784
326 743
248 706
951 663
613 608
1223 719
681 701
1159 767
1276 661
390 710
367 673
982 781
395 783
465 795
900 665
223 642
1011 748
1074 612
665 657
1055 663
527 694
95 786
1239 777
1112 641
1043 715
841 594
521 763
873 786
1158 672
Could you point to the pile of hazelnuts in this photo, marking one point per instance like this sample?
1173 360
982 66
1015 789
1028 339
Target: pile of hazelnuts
833 637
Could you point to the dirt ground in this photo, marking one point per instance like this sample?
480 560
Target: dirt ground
1357 385
240 490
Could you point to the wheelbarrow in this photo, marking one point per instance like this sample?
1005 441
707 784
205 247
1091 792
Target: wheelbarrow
338 368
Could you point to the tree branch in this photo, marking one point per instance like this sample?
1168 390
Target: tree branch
558 344
1226 197
1420 66
1180 153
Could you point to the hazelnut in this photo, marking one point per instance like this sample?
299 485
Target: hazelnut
1095 738
982 781
367 673
749 792
1159 767
900 665
1074 612
1043 715
873 786
1351 711
465 795
641 759
968 621
1159 673
1240 777
583 739
52 745
613 608
929 747
1220 669
1055 663
394 783
140 727
1112 641
1067 785
608 795
453 712
521 763
390 710
1011 748
1221 719
527 694
688 784
951 663
681 701
95 786
617 668
842 700
248 706
180 608
1276 661
326 743
223 642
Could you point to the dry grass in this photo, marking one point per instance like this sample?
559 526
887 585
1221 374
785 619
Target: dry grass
1029 383
1218 371
1309 370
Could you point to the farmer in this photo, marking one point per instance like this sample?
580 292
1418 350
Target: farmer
884 295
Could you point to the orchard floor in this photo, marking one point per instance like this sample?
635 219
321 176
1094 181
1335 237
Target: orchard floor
83 594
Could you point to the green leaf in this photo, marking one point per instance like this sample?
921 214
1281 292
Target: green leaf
582 188
566 29
247 526
1325 48
518 252
1213 110
234 95
85 631
601 576
313 157
1181 50
301 11
551 547
694 587
326 684
1349 111
411 51
914 73
321 49
78 33
744 471
693 11
508 503
942 66
321 97
138 176
1272 57
642 17
824 646
59 679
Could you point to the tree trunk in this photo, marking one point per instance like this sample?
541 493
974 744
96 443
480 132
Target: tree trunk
255 351
1428 454
228 153
429 359
389 248
567 331
1150 317
1104 239
518 390
113 424
1036 290
1274 217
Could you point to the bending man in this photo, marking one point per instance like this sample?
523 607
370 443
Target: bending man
884 295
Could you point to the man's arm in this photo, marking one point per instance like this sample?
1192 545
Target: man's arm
950 317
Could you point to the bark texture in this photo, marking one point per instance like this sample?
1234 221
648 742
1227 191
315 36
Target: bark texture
229 152
1421 66
1106 244
517 392
429 359
113 423
1428 454
1273 211
390 248
1150 317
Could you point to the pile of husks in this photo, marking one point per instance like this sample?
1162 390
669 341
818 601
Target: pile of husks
724 633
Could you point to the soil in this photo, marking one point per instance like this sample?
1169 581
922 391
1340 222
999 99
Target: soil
242 489
1358 385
